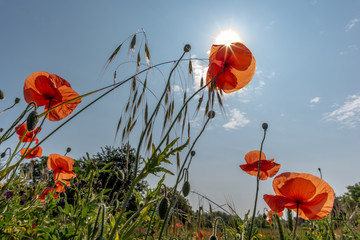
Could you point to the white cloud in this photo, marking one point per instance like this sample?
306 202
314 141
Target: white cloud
348 114
351 24
237 120
176 88
199 70
315 100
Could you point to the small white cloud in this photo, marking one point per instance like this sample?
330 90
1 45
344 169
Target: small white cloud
237 120
348 114
199 70
351 24
315 100
176 88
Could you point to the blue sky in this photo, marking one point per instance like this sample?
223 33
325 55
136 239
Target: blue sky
306 84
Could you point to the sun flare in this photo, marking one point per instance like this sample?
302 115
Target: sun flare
227 37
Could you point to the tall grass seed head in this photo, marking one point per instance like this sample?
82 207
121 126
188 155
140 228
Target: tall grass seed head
32 120
163 207
186 188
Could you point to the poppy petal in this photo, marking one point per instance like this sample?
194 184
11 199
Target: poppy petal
276 203
240 56
64 110
57 161
254 156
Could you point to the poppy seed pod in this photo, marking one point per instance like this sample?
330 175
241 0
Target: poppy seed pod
32 120
2 95
213 237
265 126
193 153
186 188
211 114
17 100
3 154
68 149
187 48
1 129
163 207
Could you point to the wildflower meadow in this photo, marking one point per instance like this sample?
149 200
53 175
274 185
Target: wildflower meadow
107 195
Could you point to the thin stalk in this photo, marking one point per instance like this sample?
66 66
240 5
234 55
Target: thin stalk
257 187
173 203
280 228
296 220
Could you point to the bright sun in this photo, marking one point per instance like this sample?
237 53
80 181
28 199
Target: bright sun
227 37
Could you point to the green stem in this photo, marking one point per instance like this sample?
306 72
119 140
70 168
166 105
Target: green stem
257 187
173 203
296 220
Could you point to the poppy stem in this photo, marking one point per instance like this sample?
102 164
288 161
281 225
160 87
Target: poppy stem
296 220
257 186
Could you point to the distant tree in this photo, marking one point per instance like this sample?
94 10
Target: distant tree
120 178
354 193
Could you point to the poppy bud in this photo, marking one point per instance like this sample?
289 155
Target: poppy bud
213 237
1 129
193 153
163 207
265 126
2 154
2 96
17 100
121 175
141 204
31 121
186 188
211 114
68 150
187 48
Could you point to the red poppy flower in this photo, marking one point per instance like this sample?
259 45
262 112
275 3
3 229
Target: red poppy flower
46 192
20 130
237 62
313 196
50 90
62 167
271 212
37 152
200 235
268 168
